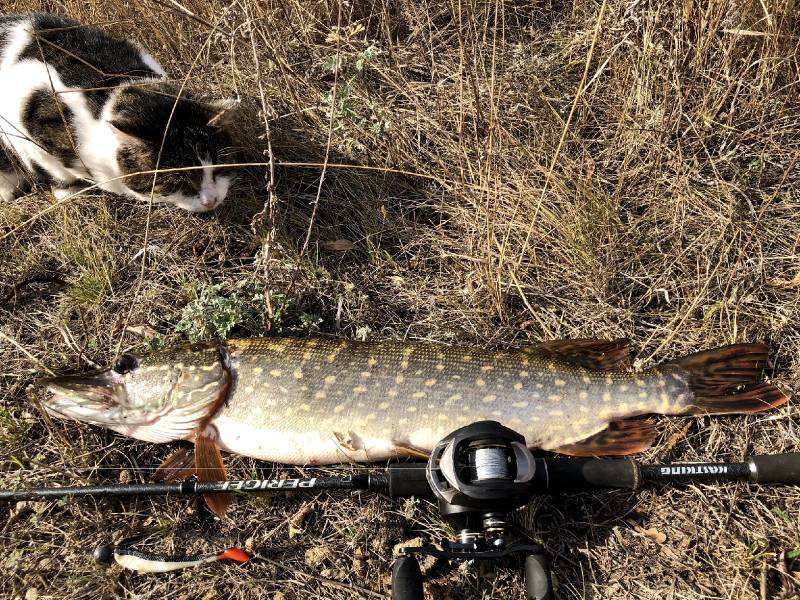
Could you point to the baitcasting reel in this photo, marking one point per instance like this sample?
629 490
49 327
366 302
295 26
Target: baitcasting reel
479 474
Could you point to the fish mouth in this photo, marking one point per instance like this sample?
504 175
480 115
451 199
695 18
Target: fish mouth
90 397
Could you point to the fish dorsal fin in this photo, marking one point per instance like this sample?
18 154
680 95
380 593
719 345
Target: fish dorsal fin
620 438
209 466
601 355
178 466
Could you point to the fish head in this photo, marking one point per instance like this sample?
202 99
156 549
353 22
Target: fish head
157 397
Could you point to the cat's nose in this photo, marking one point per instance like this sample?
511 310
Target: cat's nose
209 198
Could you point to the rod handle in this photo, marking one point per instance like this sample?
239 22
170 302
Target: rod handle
575 475
408 479
775 468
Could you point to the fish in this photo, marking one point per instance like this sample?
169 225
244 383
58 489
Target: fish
313 401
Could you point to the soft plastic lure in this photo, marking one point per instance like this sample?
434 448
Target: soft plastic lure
145 562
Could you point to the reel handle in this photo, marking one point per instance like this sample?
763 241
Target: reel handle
407 579
775 468
538 578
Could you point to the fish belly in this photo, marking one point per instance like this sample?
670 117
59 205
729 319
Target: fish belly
318 402
309 445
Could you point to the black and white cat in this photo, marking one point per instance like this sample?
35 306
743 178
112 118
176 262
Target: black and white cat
78 106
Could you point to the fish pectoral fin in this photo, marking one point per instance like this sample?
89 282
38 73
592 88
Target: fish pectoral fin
620 438
209 467
403 450
348 441
178 466
601 355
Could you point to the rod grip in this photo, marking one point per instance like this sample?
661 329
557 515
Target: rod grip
775 468
575 475
408 479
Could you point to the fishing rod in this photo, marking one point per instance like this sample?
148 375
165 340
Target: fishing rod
478 475
401 480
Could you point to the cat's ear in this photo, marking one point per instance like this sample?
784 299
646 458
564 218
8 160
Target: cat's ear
222 112
126 133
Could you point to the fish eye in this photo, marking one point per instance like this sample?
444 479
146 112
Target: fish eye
125 364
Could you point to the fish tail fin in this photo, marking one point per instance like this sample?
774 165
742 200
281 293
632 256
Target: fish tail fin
751 398
727 380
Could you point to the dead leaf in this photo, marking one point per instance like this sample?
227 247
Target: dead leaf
142 331
317 555
677 436
654 534
337 245
299 518
618 535
787 284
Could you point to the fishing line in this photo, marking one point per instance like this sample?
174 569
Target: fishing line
489 463
332 468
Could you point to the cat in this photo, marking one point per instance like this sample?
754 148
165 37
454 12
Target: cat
79 107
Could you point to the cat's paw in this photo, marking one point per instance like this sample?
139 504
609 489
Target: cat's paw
61 193
9 186
7 193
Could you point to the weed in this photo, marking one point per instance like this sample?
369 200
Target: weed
218 312
215 314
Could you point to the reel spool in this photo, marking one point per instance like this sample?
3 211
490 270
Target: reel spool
478 474
481 467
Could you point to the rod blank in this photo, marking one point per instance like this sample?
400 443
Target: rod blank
408 479
191 488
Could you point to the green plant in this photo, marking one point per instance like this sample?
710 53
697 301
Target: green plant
220 311
213 315
348 109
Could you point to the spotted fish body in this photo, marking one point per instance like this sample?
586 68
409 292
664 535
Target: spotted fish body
314 401
317 401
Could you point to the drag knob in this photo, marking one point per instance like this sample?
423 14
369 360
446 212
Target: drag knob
406 579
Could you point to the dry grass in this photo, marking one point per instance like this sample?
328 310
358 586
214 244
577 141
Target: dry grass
519 189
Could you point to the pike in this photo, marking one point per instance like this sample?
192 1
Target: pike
321 401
